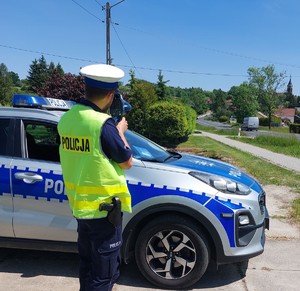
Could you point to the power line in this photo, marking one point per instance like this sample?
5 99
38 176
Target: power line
47 54
185 72
202 47
222 51
132 66
88 10
98 3
249 57
124 47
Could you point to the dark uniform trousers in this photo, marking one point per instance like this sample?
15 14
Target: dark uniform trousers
99 244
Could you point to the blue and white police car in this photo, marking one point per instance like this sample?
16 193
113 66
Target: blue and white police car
188 210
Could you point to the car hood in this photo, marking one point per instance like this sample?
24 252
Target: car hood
207 165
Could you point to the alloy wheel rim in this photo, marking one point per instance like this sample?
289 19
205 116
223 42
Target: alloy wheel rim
171 254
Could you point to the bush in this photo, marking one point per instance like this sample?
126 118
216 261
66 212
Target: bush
294 127
264 121
167 123
223 118
191 117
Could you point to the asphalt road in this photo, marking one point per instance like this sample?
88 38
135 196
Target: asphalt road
219 125
208 122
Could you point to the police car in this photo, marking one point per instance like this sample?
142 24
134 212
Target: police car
188 210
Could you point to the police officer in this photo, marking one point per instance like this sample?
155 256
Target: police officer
94 153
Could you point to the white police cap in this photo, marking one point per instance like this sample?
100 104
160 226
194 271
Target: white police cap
102 76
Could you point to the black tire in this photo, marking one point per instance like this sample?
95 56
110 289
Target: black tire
181 252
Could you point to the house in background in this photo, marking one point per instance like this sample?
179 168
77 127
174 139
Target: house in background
261 115
286 114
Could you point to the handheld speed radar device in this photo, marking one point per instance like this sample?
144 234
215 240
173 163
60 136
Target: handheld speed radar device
119 107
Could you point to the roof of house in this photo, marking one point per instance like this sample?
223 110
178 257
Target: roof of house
285 112
260 114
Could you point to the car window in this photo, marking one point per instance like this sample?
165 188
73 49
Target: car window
42 141
144 149
4 125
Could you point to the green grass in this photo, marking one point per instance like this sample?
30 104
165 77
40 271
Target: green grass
230 132
264 172
284 145
282 129
296 209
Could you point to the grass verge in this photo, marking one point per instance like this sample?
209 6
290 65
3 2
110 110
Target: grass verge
232 131
296 209
264 172
282 129
284 145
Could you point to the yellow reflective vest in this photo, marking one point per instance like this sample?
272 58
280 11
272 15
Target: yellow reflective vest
90 177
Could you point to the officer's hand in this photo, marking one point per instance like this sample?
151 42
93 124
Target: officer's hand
122 125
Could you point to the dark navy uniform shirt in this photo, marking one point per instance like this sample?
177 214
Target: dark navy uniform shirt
112 144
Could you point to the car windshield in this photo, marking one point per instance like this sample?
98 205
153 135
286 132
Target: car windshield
145 150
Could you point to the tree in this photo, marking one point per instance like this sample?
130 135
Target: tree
243 101
67 87
38 74
179 93
141 96
267 82
15 79
218 104
290 100
59 69
52 69
161 88
6 84
198 100
132 80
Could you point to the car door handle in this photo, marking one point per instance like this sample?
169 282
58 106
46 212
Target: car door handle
28 177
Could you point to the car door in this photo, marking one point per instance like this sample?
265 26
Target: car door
6 199
41 209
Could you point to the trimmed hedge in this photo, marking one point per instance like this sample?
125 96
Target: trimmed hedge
265 121
294 127
223 118
168 123
191 117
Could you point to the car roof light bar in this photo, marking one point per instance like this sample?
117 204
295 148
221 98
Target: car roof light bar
29 101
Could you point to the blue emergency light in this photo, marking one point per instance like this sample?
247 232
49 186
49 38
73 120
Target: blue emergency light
29 101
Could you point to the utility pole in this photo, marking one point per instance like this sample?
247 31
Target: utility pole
108 19
108 56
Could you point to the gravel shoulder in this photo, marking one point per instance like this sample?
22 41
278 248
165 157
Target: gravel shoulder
279 204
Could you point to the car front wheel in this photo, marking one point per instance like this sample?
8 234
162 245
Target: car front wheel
171 252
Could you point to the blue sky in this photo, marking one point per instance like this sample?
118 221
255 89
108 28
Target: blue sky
206 44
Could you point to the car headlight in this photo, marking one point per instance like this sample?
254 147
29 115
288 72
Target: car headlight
225 185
